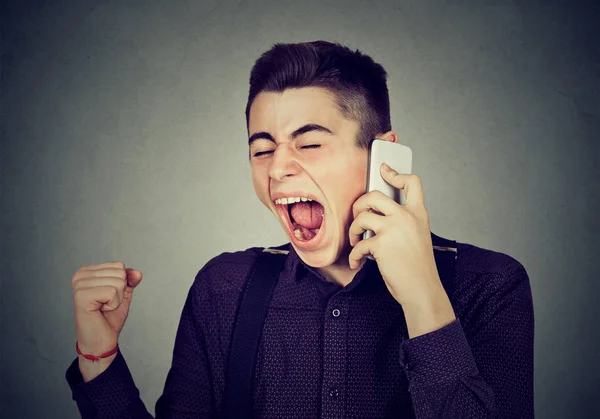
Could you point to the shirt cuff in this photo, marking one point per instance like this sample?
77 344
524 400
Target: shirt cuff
112 390
437 357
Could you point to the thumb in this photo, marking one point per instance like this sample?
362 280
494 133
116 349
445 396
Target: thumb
134 277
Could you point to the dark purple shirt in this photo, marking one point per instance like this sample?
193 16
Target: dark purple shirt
334 352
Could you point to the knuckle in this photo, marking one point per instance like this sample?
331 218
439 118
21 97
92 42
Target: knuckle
359 246
360 219
352 254
74 279
78 276
122 274
77 296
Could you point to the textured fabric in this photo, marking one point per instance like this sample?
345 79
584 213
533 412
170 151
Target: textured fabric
333 352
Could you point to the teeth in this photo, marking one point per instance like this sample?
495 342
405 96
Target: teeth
298 234
284 201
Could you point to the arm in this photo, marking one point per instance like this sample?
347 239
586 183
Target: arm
187 391
489 374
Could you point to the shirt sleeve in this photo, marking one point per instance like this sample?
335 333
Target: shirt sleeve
187 391
111 394
490 374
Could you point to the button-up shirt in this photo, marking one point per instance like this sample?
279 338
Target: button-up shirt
342 352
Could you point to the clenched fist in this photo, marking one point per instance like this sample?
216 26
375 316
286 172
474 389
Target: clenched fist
101 297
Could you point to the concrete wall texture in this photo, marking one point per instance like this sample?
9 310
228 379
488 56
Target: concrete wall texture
123 138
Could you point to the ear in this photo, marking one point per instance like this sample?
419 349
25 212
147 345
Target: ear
390 136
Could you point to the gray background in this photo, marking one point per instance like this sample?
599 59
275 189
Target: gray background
123 138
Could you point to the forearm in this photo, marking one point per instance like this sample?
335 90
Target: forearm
444 380
491 373
111 393
469 397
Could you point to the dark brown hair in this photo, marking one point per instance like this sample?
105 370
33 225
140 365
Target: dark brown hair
358 83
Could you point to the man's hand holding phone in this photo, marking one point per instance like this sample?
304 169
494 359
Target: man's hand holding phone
403 251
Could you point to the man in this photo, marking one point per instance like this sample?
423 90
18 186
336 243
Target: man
344 336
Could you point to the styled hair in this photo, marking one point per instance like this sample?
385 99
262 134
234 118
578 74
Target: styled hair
356 81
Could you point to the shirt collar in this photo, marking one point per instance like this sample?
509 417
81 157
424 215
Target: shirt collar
297 269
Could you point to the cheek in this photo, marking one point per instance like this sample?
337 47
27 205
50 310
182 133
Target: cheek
356 181
357 185
352 187
261 187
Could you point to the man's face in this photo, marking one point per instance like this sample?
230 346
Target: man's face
307 150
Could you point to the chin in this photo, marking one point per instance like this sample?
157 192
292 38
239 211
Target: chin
329 254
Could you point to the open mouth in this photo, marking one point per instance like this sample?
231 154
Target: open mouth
304 217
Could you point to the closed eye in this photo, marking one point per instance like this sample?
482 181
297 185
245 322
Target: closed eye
260 153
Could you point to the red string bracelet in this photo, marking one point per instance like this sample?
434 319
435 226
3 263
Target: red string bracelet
94 358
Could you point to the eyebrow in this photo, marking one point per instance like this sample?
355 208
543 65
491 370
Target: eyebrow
302 130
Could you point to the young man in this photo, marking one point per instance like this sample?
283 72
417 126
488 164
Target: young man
344 336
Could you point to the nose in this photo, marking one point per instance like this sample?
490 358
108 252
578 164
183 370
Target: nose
283 163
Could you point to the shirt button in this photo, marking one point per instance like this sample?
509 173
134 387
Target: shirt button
335 312
333 392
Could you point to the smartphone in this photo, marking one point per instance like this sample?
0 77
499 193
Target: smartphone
399 158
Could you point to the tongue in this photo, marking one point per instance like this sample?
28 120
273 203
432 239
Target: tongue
308 214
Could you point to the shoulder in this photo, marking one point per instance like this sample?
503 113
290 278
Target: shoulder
228 271
492 297
479 260
485 273
214 295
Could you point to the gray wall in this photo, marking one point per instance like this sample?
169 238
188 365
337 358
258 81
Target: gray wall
124 139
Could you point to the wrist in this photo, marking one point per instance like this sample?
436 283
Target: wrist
90 370
92 365
93 357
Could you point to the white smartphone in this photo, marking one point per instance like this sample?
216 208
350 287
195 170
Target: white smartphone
399 158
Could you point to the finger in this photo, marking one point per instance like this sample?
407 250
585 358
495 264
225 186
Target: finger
365 221
358 253
413 188
90 283
377 201
100 282
115 264
134 277
99 273
105 298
